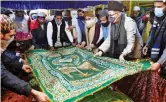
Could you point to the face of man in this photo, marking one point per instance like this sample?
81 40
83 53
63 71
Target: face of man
159 4
136 13
160 9
67 16
58 19
80 14
41 20
20 14
103 19
97 13
89 21
5 42
114 16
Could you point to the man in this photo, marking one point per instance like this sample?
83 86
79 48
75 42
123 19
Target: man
23 35
70 25
124 42
8 79
39 39
139 18
33 19
80 28
33 14
97 11
102 29
57 33
157 42
90 21
150 86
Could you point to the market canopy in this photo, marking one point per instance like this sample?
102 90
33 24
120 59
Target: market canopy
49 4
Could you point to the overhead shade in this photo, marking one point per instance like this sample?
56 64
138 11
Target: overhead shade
49 4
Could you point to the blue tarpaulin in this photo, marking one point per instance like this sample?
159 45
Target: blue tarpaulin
49 4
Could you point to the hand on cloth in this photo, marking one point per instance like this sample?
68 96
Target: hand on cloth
155 67
26 68
32 47
90 47
74 44
121 57
40 96
95 50
145 50
99 53
83 44
51 48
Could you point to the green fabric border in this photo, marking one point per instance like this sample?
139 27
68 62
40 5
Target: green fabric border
144 63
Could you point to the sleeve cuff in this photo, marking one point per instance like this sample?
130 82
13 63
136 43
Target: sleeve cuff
162 62
20 60
124 53
27 90
17 54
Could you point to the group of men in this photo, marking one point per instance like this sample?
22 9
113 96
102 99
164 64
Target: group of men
109 33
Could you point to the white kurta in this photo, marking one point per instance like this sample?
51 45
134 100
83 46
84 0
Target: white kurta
50 33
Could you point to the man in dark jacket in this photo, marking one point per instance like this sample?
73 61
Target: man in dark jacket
39 39
157 42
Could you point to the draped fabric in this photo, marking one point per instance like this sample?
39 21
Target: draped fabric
70 74
49 4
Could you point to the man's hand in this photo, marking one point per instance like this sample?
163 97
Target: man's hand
24 62
99 53
88 47
32 47
51 48
74 44
155 67
145 50
121 57
78 45
12 32
70 28
95 50
26 68
41 97
83 44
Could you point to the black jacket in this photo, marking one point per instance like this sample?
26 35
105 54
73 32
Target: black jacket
39 35
11 61
63 35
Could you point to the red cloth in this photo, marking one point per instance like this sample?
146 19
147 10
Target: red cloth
144 18
146 86
13 97
19 36
34 24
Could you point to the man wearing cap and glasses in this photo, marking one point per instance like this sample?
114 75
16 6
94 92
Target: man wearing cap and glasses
124 40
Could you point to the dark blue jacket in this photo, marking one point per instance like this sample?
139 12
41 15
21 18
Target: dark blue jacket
13 83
